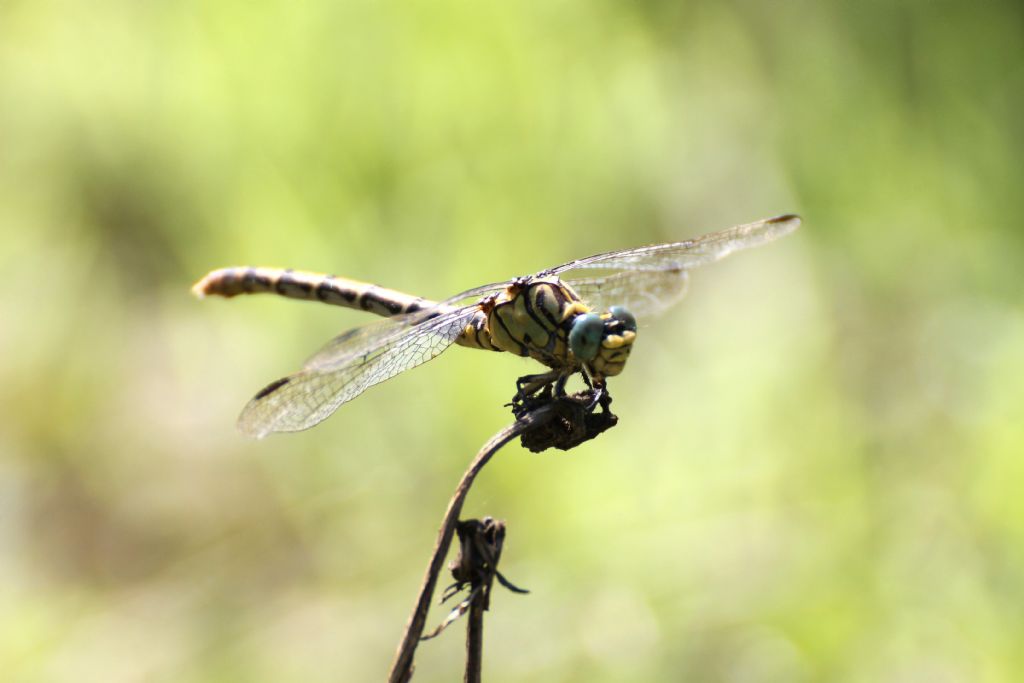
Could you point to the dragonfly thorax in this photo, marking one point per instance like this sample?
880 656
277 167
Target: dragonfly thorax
531 317
544 318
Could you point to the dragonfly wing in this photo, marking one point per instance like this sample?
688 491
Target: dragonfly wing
689 253
651 279
354 342
349 365
642 292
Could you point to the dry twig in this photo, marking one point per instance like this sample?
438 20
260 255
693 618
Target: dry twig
561 422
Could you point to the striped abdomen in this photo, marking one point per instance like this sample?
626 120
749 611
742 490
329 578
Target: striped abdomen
298 284
529 318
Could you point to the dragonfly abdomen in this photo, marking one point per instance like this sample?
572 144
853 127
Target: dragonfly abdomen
299 284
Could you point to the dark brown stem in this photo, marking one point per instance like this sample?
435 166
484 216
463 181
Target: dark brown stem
475 640
402 667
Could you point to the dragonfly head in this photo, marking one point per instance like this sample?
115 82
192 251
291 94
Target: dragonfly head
603 342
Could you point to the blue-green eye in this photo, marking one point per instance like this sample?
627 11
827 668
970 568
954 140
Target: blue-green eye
624 316
585 336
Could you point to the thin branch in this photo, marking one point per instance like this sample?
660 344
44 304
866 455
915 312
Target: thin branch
475 568
401 669
475 641
546 422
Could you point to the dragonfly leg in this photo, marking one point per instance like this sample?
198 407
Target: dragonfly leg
531 384
586 379
600 396
531 388
598 392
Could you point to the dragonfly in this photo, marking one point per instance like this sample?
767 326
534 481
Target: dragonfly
578 317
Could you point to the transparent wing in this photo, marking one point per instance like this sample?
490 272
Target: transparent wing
643 292
355 361
689 253
348 366
653 278
339 350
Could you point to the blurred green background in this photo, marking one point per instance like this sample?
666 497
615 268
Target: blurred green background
818 471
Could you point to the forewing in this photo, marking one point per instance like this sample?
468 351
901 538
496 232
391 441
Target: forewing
689 253
349 365
642 292
653 278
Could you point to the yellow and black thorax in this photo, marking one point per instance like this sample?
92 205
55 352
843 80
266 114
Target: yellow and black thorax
536 317
530 318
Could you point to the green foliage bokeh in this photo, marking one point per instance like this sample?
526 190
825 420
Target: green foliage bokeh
818 466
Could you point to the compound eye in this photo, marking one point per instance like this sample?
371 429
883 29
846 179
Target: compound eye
585 336
623 316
